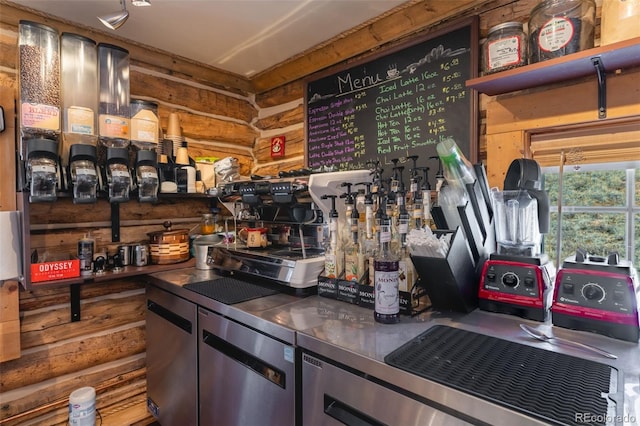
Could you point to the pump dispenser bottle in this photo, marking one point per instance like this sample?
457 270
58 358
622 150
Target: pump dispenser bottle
334 258
386 265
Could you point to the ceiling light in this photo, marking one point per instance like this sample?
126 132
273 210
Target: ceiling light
141 2
115 20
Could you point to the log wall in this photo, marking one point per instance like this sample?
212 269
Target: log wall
221 115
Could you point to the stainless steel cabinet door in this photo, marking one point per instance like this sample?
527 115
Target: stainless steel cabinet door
172 355
246 377
332 396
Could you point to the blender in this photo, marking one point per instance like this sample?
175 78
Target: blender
518 279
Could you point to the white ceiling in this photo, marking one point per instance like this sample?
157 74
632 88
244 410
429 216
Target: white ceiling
241 36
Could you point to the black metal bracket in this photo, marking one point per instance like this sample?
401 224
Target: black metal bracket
602 86
74 293
115 222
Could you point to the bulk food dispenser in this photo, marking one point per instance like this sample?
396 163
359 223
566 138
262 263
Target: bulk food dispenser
518 278
83 173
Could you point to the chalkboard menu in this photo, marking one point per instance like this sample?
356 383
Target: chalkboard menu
398 105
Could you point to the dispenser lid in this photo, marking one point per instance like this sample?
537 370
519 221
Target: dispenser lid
82 152
42 147
115 154
145 156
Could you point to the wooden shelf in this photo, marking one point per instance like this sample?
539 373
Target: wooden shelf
127 271
621 55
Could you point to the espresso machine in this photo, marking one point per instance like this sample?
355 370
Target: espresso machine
277 228
518 278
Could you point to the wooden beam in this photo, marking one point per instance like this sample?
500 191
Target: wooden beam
392 27
12 13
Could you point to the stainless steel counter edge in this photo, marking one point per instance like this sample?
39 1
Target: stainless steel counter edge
347 334
247 313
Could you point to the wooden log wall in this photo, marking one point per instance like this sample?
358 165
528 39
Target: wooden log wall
221 115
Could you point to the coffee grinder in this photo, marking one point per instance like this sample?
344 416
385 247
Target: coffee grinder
518 279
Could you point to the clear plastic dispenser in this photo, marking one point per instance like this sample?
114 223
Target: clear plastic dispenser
145 126
42 169
118 176
79 69
39 66
114 115
84 178
147 176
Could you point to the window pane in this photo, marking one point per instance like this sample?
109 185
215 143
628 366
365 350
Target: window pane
636 258
598 233
598 188
637 203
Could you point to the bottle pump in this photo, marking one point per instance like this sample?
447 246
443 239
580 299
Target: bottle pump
334 261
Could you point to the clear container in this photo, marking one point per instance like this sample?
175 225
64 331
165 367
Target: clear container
505 48
79 72
560 27
147 176
118 175
42 169
207 224
39 67
83 173
145 126
516 222
113 76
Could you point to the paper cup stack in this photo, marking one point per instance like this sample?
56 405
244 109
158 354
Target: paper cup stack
174 132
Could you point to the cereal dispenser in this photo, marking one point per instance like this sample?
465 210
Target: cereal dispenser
147 176
82 170
42 171
39 67
117 174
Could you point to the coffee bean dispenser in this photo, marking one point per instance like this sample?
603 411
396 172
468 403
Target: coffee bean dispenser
39 65
147 176
42 169
118 177
82 170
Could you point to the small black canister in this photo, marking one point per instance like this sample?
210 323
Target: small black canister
86 247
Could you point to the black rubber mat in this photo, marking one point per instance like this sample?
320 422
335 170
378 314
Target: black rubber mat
230 290
547 385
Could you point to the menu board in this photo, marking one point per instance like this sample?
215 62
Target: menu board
398 105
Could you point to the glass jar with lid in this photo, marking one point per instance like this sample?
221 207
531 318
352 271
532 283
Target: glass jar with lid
561 27
505 48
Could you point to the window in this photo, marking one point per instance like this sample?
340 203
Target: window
600 209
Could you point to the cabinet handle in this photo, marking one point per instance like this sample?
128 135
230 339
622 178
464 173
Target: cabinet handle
172 317
347 414
268 371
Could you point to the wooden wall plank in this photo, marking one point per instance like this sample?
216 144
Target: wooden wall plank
13 13
29 403
50 361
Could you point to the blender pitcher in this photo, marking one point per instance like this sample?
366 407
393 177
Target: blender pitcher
516 222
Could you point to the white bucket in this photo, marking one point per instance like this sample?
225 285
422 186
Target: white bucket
82 407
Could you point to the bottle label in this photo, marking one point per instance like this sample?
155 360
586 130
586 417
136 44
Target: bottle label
555 34
113 126
504 52
406 275
80 120
354 266
330 265
386 287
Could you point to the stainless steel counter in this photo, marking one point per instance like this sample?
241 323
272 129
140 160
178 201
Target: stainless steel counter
347 334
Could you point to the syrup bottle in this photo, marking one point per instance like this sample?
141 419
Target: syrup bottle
386 265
